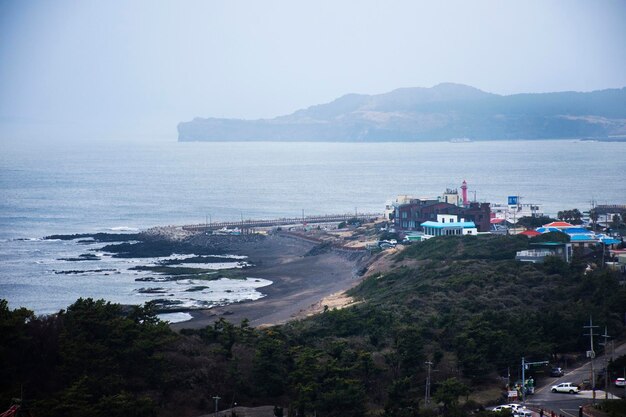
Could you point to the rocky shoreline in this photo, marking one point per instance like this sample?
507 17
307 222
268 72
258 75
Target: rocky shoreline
303 275
303 271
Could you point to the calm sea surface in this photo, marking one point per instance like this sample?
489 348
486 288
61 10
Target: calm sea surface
102 186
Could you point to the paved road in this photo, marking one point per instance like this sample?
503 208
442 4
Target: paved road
567 404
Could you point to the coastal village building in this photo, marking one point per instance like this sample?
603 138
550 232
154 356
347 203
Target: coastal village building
448 225
563 226
541 250
606 212
579 237
390 207
515 210
620 260
408 213
530 233
410 216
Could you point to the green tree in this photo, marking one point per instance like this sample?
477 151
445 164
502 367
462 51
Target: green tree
594 216
270 362
448 394
403 399
616 222
532 222
573 216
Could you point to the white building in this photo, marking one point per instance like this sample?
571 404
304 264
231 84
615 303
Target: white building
515 210
448 225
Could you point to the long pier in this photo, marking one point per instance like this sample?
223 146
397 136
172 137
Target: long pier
249 224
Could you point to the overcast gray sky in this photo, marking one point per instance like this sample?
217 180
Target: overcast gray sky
123 69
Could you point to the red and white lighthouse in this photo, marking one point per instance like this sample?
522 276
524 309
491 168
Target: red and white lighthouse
464 194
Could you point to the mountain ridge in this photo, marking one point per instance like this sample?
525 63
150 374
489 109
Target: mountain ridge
443 112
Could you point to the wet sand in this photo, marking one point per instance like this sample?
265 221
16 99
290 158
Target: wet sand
299 281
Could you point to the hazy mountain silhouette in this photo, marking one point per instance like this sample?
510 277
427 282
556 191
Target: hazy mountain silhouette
443 112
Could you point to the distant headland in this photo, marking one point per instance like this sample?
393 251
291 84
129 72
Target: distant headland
441 113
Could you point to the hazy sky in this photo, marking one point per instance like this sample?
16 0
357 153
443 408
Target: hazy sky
136 68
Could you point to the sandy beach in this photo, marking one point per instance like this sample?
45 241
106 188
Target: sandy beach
300 282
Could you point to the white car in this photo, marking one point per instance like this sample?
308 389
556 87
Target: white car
620 382
565 387
519 410
502 408
515 406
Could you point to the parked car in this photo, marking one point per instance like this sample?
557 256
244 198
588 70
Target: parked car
565 387
556 372
523 412
620 382
502 408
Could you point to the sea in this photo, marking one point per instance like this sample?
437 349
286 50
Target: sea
89 186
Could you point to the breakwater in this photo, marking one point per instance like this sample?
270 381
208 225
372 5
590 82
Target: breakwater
250 223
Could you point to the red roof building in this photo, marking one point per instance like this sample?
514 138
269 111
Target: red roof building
559 225
530 233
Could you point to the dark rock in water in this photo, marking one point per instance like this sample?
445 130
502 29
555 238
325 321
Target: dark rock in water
157 290
83 257
172 270
97 237
152 279
165 304
85 271
198 260
157 248
196 288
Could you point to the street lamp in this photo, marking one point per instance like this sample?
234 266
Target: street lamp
216 398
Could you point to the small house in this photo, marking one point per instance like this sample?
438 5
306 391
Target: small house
539 252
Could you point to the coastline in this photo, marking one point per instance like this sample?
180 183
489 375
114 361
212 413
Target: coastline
300 283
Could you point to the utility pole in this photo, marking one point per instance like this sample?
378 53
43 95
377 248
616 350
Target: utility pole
427 397
591 354
523 381
216 398
606 364
508 377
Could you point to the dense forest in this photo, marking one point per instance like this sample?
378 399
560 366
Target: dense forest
461 303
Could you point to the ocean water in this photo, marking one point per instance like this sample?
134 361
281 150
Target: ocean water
83 187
